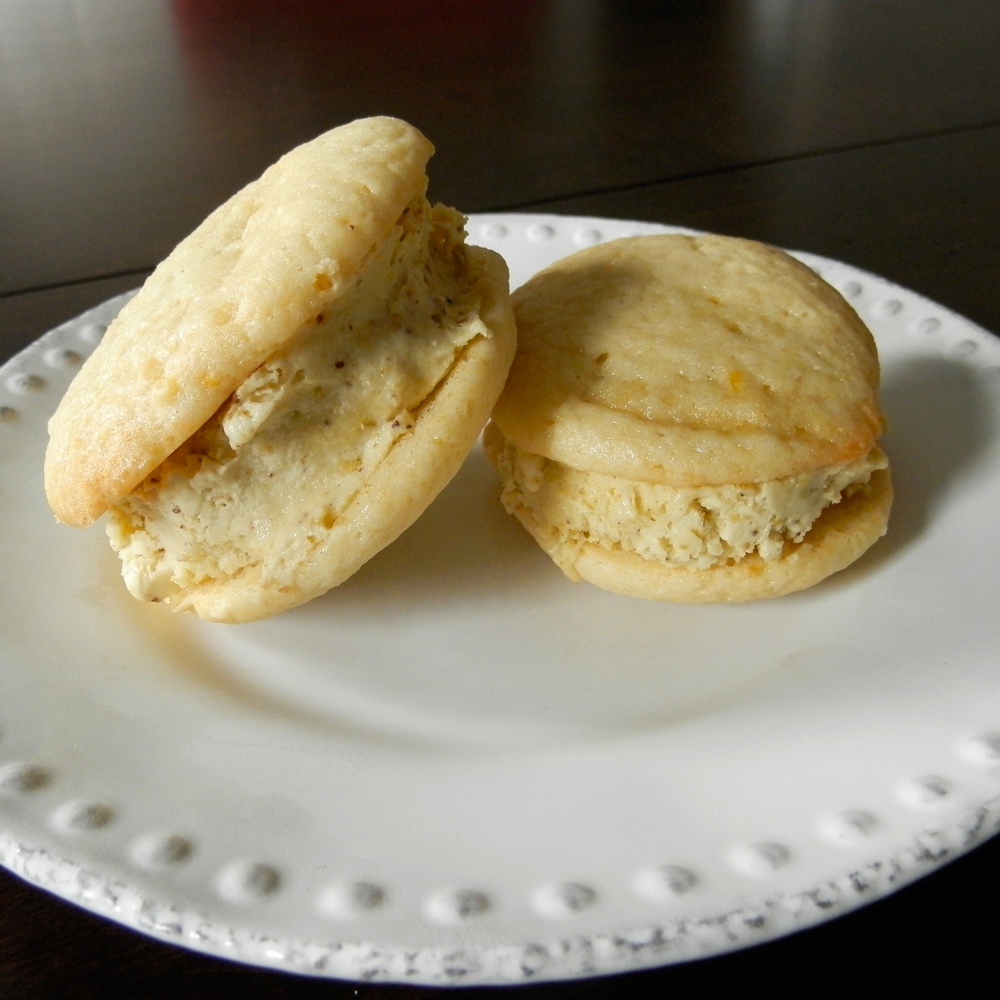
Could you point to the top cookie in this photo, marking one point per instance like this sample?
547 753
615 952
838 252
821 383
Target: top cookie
767 372
241 285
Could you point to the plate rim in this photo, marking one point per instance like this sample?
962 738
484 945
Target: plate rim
565 957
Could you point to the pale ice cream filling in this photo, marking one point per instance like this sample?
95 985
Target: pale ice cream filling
696 528
271 473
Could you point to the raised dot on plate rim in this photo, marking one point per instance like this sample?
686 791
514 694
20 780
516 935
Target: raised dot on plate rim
494 230
664 882
760 859
540 232
350 899
887 307
83 815
25 382
925 791
851 289
982 749
848 826
161 850
587 237
926 325
7 414
563 899
452 906
91 333
19 777
61 357
248 882
964 348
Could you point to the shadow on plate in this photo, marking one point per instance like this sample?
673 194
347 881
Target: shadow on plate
465 546
463 632
939 427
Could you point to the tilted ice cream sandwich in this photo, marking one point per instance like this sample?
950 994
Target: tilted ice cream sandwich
692 419
291 387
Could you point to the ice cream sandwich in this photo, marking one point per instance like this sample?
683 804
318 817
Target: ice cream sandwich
291 387
692 418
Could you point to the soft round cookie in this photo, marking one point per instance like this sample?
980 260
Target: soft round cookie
227 297
692 419
296 383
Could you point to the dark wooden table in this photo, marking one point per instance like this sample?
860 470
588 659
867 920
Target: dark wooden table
864 130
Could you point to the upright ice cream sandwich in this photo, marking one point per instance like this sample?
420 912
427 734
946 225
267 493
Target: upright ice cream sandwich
292 386
692 419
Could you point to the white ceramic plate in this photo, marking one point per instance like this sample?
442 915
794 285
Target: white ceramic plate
460 768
